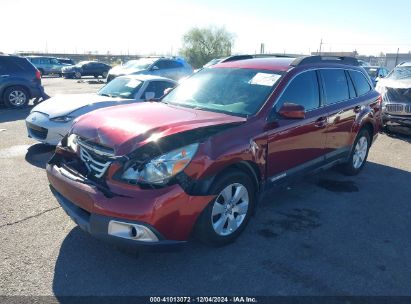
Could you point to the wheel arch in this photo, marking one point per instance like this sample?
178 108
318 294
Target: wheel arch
4 89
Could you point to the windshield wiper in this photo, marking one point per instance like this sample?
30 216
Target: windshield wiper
107 95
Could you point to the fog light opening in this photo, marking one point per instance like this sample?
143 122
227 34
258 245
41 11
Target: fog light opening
131 231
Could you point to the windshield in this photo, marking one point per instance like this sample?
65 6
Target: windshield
239 92
122 87
140 64
400 73
373 72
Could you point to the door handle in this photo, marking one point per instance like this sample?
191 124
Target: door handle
4 76
321 122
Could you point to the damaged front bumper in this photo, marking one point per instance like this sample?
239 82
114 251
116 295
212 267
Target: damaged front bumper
128 215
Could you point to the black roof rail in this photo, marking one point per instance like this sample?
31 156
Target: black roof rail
248 56
325 59
273 55
237 57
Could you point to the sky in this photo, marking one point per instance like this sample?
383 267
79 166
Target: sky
156 26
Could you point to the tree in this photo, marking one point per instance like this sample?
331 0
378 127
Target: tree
200 45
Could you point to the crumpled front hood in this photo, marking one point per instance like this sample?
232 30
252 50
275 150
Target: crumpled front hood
125 128
61 105
395 83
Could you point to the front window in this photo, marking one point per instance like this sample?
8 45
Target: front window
121 87
140 64
400 73
239 92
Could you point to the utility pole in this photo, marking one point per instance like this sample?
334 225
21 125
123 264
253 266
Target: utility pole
262 48
396 57
321 44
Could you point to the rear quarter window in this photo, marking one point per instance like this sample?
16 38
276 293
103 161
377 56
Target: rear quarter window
361 83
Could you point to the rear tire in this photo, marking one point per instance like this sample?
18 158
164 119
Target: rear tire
104 75
16 97
358 155
225 217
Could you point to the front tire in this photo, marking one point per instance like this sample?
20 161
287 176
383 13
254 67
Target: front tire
104 75
359 154
77 75
16 97
223 220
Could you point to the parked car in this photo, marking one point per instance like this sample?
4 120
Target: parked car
363 63
195 162
173 68
376 73
47 65
396 93
66 61
86 68
20 81
49 121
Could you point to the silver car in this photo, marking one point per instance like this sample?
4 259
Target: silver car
51 120
171 67
395 90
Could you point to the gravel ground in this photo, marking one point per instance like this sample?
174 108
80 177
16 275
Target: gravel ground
326 235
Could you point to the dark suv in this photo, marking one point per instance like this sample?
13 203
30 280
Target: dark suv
196 161
20 81
86 68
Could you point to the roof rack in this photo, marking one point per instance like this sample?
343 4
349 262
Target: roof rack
325 59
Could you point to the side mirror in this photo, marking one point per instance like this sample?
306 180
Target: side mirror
166 91
149 95
154 68
292 110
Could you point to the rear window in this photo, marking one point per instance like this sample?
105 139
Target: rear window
17 64
335 85
360 82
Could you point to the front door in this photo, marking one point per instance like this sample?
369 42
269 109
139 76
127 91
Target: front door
297 143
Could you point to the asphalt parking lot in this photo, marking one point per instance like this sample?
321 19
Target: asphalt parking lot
326 235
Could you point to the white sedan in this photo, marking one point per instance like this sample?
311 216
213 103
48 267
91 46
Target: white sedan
51 120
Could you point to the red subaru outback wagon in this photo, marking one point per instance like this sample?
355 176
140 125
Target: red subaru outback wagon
195 161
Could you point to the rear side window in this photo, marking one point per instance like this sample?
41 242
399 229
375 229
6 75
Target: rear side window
360 82
168 64
17 64
175 65
303 90
335 85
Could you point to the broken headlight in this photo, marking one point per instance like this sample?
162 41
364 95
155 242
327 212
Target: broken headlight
161 169
72 142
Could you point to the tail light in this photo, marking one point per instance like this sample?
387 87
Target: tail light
38 75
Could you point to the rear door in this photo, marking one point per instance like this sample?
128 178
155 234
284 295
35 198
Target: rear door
297 144
341 105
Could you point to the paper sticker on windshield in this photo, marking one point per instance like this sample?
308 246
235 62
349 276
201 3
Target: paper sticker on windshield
133 83
265 79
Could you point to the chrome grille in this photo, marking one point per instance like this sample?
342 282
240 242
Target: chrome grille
394 107
94 166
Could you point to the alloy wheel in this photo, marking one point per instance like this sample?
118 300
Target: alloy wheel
230 209
17 98
360 152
